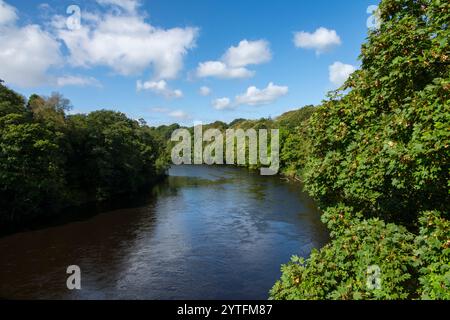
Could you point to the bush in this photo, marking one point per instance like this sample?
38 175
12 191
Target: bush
347 267
379 149
433 256
382 146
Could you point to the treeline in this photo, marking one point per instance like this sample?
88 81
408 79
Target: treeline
50 160
291 125
376 157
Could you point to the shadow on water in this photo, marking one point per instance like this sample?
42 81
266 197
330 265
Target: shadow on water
203 233
83 212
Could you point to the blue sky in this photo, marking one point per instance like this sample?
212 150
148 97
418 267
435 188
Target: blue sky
149 58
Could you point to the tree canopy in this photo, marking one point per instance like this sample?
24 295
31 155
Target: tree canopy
49 160
378 164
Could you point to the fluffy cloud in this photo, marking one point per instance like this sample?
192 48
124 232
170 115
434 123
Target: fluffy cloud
127 44
205 91
219 69
179 114
234 62
340 72
248 53
8 14
159 87
255 96
27 53
320 40
176 114
120 40
222 104
77 81
160 110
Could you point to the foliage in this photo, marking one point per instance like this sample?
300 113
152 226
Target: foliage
111 153
49 161
342 269
295 142
433 256
10 101
31 174
294 119
384 147
379 151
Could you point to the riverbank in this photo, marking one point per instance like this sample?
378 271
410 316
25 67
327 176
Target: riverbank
82 210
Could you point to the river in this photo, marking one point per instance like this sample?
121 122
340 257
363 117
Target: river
205 233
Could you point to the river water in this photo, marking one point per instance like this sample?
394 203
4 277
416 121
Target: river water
205 233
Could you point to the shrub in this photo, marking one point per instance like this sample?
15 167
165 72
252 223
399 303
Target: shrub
347 267
433 256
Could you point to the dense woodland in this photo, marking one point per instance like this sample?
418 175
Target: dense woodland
378 162
375 155
50 160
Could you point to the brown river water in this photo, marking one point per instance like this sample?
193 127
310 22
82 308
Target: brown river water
205 233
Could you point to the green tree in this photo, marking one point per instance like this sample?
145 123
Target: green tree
384 146
112 154
49 161
380 150
31 170
10 102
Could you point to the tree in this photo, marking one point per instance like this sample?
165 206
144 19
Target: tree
10 102
379 150
384 147
49 161
113 154
31 170
50 110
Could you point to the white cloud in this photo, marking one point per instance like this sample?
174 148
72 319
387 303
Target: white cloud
160 110
121 40
180 115
340 72
26 53
8 14
77 81
321 40
219 69
127 5
159 87
255 96
176 114
222 104
248 53
205 91
127 44
234 62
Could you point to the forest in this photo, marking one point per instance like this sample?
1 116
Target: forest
50 160
374 155
377 161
